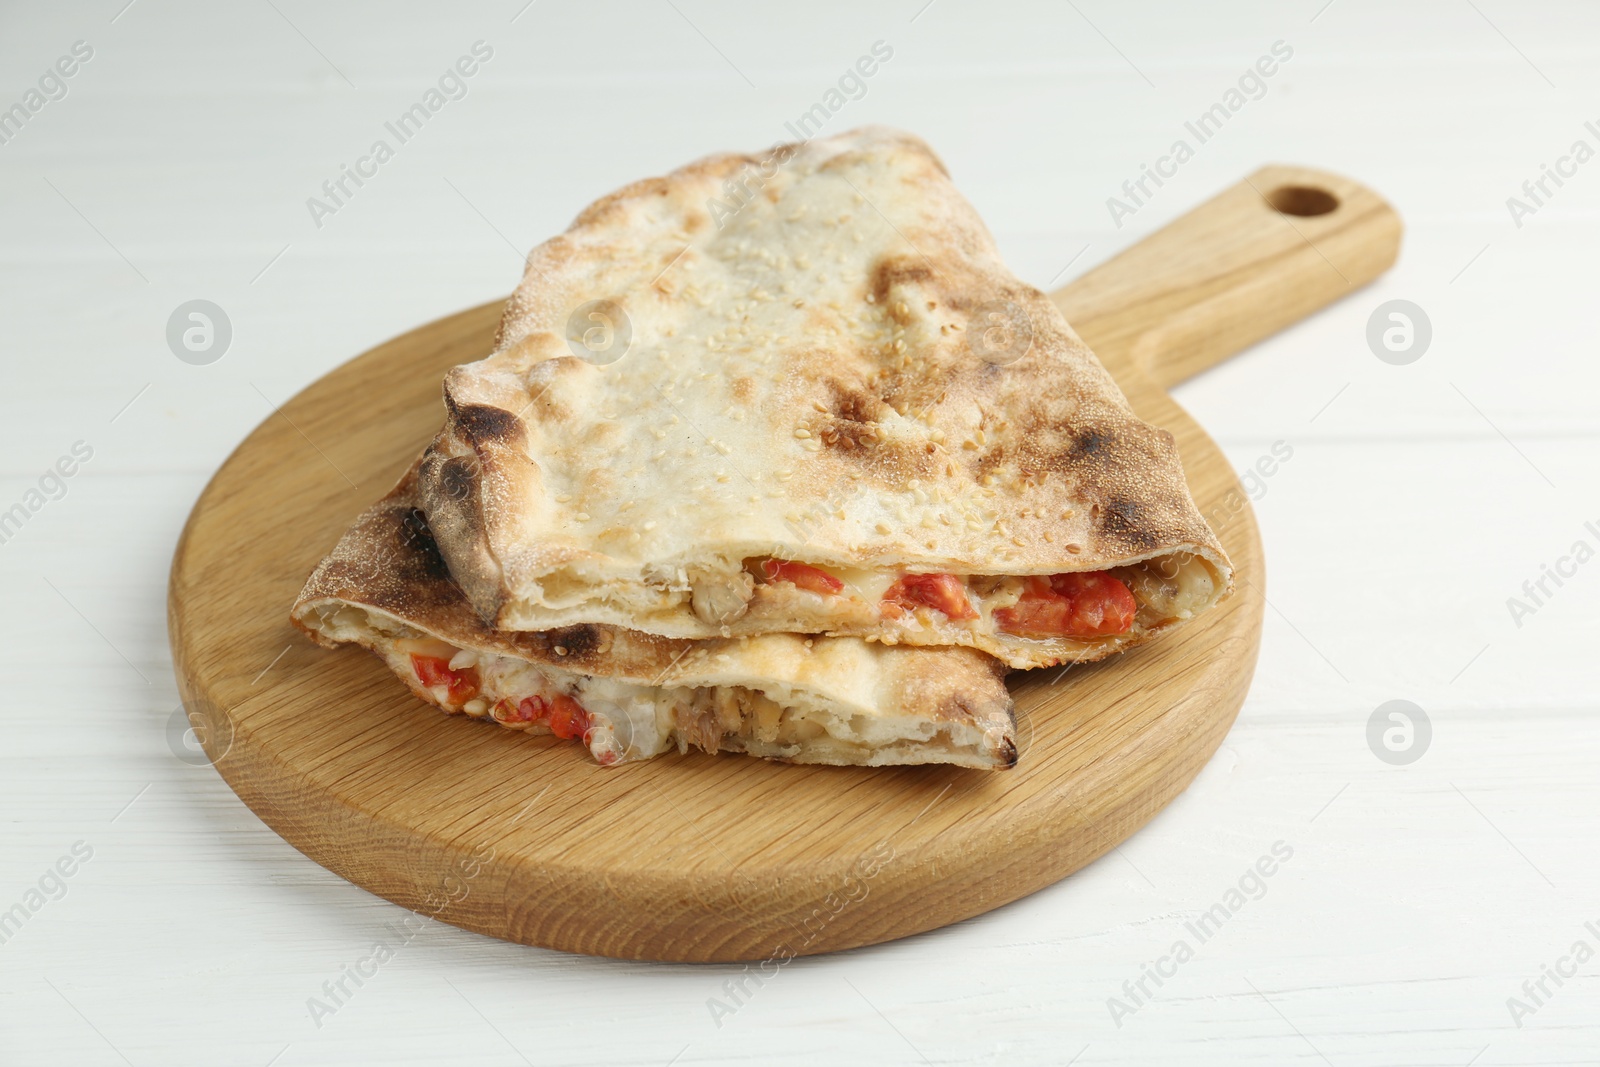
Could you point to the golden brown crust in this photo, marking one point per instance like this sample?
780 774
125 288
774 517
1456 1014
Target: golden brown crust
841 371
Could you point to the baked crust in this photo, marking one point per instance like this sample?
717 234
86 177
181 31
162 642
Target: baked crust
842 373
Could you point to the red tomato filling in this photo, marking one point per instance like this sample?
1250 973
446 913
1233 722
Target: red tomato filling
461 686
942 592
801 575
529 709
565 717
1070 605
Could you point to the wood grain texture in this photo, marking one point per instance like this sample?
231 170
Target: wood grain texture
702 858
1232 271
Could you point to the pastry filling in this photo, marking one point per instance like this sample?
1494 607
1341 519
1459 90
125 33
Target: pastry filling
620 721
1082 606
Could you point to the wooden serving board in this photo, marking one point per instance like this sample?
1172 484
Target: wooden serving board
701 857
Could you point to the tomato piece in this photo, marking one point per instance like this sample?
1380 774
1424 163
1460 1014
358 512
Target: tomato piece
460 686
1034 616
431 670
801 575
1101 604
942 592
528 709
463 685
1077 604
567 718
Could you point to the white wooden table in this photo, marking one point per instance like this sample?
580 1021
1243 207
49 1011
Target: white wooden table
1419 898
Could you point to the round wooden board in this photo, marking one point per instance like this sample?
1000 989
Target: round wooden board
689 857
696 857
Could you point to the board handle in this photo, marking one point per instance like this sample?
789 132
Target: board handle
1257 257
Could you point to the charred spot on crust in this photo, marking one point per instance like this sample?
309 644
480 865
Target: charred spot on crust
418 548
480 423
450 487
1126 522
457 478
396 566
892 271
1095 455
1090 445
1008 753
577 641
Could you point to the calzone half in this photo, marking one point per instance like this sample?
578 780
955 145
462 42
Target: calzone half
799 392
629 696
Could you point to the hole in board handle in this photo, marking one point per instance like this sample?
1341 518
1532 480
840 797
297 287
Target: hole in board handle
1303 200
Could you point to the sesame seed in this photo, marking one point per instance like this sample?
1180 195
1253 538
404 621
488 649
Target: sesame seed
801 431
